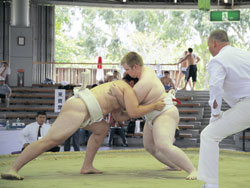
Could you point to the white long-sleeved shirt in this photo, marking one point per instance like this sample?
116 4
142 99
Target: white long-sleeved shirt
30 132
229 79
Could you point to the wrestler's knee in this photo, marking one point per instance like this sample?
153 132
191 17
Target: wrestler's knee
163 146
102 130
52 141
149 148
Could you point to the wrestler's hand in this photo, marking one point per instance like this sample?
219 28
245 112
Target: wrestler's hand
159 105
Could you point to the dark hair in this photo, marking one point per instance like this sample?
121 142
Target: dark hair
166 72
94 85
190 50
100 82
67 87
128 78
41 113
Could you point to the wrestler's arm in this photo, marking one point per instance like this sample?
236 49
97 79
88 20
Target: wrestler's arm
125 94
132 106
120 115
142 88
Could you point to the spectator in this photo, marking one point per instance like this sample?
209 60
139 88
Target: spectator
100 82
114 125
5 92
167 81
36 130
94 85
115 75
85 134
192 60
182 71
5 71
109 77
75 141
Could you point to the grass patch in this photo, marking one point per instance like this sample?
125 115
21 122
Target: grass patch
122 169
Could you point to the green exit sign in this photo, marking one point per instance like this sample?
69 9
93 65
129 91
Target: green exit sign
225 16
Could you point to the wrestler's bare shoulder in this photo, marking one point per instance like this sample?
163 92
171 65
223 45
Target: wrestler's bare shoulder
101 87
148 71
121 84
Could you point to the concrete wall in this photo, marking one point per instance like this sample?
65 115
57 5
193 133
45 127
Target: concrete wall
4 30
21 57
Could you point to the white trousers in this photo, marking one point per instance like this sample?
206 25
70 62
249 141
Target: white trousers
232 121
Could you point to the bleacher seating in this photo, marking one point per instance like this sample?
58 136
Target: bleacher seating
26 101
194 111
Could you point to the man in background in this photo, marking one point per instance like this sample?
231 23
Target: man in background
5 71
36 130
115 75
192 60
167 81
182 71
5 92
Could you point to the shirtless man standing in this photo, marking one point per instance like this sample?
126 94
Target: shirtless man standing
192 60
85 110
182 71
159 130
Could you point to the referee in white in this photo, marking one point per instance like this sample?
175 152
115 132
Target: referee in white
229 71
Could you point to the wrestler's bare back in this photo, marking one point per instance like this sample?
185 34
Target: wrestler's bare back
107 102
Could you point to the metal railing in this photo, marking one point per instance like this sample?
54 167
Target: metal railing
72 73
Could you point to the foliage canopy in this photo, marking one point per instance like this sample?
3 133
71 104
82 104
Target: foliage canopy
160 36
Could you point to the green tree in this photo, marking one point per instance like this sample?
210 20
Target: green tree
160 36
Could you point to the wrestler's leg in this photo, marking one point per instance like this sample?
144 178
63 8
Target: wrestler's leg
149 145
99 132
71 116
163 134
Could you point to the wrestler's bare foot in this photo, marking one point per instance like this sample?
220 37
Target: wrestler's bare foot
171 169
90 170
11 175
192 176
